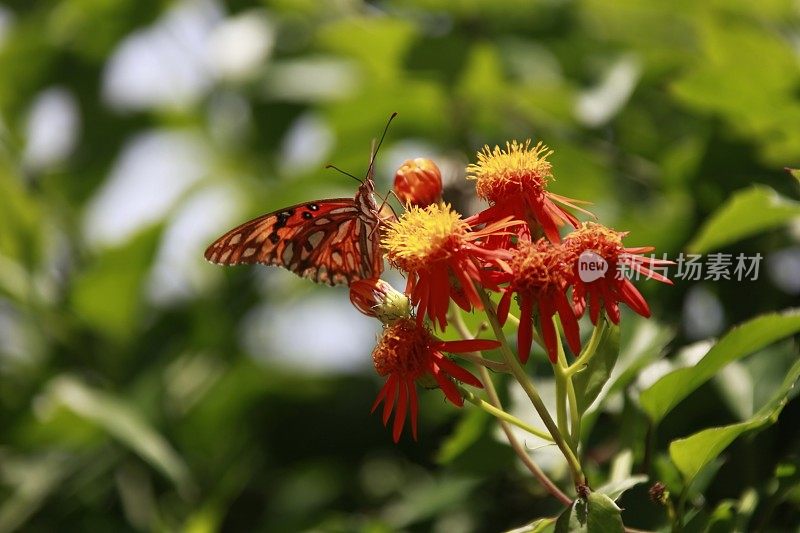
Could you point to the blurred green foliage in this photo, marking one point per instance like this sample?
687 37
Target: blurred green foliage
143 389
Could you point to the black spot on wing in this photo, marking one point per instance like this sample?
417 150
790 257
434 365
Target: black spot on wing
283 218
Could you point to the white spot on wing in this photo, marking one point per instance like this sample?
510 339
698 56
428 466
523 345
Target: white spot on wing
248 252
235 239
288 252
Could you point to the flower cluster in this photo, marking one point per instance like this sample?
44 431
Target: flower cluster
513 249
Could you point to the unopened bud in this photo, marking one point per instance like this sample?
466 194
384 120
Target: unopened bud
418 182
659 493
376 298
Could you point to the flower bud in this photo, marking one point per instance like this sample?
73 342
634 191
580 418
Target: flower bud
418 182
376 298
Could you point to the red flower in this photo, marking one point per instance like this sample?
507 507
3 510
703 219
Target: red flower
540 275
443 258
514 181
418 182
607 288
406 353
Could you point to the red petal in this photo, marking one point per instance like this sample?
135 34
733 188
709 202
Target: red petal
546 312
525 333
447 386
503 307
469 345
440 297
469 288
649 274
610 303
594 305
579 299
400 413
457 372
569 323
631 296
549 226
390 398
381 395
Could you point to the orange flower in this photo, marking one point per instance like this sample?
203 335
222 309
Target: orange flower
514 181
407 353
443 257
540 275
418 182
596 244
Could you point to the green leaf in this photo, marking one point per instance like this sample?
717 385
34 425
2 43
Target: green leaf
108 294
597 513
692 453
120 421
615 489
589 381
667 392
747 213
468 431
540 525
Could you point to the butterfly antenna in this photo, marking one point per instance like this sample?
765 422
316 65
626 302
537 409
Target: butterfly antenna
334 167
371 168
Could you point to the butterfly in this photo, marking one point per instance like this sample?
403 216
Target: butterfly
334 241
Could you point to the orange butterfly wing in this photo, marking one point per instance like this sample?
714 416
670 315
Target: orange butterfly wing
329 241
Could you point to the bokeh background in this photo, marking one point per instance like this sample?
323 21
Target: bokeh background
144 389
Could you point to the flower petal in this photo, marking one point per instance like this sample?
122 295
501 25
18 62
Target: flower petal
468 345
457 372
525 333
631 296
447 386
381 395
546 312
400 412
503 306
391 397
569 323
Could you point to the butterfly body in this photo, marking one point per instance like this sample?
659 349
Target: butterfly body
334 241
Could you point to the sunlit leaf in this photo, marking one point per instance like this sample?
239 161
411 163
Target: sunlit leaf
615 489
742 340
597 513
746 213
692 453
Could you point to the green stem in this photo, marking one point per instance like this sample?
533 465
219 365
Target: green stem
522 377
590 349
561 379
502 415
575 415
494 399
565 395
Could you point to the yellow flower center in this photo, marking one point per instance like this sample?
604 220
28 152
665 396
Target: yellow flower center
539 266
404 349
424 236
597 238
502 173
